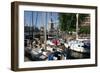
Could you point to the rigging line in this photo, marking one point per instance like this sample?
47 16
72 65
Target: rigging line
51 16
32 25
46 21
36 19
24 20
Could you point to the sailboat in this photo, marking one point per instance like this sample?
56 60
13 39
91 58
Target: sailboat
78 45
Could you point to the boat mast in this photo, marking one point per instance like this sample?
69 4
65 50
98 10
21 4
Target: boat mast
32 26
77 15
44 24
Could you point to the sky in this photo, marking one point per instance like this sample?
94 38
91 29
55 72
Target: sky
39 18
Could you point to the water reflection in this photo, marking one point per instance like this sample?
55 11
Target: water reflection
78 55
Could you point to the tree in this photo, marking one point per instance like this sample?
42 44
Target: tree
67 22
83 29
